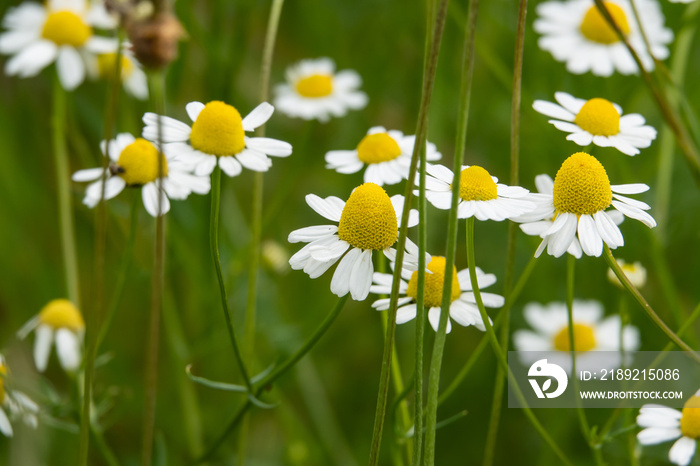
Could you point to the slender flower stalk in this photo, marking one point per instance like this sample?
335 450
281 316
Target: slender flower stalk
461 132
421 132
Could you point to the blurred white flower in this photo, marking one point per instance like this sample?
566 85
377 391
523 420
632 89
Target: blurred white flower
18 405
635 272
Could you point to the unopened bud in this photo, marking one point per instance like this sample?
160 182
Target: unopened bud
154 40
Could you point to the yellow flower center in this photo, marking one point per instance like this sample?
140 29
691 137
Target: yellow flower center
107 62
377 148
3 373
218 130
599 117
61 313
317 85
475 184
594 27
368 220
581 186
584 338
66 28
690 420
138 163
434 283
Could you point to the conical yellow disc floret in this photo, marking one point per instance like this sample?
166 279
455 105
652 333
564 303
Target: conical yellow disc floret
66 28
378 147
317 85
368 220
434 283
581 186
690 421
61 313
584 338
475 184
599 117
107 62
594 27
218 130
138 163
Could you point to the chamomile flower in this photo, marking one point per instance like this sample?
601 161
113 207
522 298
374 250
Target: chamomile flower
61 321
577 33
463 309
18 405
315 91
580 196
597 121
218 136
662 424
481 195
592 333
134 163
367 222
635 272
537 222
60 31
132 75
387 155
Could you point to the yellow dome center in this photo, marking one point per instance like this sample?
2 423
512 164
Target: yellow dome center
377 148
599 117
61 313
218 130
595 28
475 184
581 186
368 220
138 163
317 85
584 338
107 62
434 283
66 28
690 420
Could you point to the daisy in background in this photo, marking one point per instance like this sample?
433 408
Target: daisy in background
134 163
59 30
463 309
592 333
19 405
481 195
540 220
132 75
662 424
218 136
636 273
315 91
367 222
580 196
597 121
577 33
61 321
387 155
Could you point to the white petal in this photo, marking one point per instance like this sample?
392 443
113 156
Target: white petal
173 130
230 166
361 276
68 349
405 313
32 59
635 213
330 207
150 195
553 110
309 234
682 451
608 231
434 319
591 242
258 116
340 284
5 426
89 174
70 68
42 346
270 146
193 109
254 160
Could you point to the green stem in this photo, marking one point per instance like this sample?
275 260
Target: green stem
645 305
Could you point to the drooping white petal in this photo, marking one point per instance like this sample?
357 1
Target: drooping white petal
340 284
70 68
42 346
68 349
682 451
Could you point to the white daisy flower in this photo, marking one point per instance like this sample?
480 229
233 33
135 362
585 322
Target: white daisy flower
463 308
314 91
540 220
18 405
662 424
481 195
61 321
60 31
592 333
597 121
636 273
576 32
367 222
134 163
218 136
580 195
387 155
132 75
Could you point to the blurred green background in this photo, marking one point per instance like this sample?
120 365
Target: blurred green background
326 406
